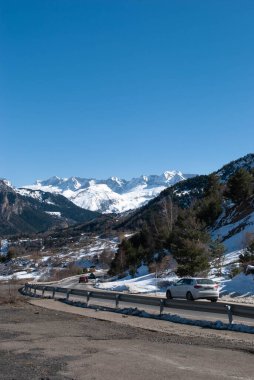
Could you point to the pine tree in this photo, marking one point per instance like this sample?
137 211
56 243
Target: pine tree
189 245
247 257
240 186
214 187
210 207
217 254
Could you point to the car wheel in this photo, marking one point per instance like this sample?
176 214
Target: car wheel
214 299
189 296
169 295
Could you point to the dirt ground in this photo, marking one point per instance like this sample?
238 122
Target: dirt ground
39 343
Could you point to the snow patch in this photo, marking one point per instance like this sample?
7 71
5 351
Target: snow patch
241 285
54 213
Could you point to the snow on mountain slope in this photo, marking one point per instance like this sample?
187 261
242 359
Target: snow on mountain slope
100 197
28 193
111 195
233 233
95 197
246 162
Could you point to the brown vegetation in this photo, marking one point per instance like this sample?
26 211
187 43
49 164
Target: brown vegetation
60 274
9 293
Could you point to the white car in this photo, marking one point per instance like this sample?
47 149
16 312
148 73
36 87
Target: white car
193 289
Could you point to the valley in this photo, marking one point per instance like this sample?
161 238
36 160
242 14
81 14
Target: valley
112 243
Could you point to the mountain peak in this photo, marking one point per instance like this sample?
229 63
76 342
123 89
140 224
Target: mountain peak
5 185
170 174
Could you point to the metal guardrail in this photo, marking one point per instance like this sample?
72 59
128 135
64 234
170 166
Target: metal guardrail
218 308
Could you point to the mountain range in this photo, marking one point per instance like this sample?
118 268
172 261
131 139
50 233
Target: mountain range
36 211
113 195
50 204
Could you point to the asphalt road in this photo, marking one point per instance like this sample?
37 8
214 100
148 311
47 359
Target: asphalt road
37 343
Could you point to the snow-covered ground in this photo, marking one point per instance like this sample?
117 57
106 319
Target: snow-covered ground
240 288
83 254
143 284
233 235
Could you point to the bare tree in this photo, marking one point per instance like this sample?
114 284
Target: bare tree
106 258
12 289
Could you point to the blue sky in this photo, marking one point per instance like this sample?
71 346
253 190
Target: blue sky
97 88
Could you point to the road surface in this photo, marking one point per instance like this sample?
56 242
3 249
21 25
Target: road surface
37 343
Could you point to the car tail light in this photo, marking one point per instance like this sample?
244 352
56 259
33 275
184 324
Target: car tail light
197 286
216 286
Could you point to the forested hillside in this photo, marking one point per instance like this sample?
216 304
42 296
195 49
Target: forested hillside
189 220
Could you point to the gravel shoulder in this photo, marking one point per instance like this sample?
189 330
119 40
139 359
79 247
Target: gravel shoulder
53 341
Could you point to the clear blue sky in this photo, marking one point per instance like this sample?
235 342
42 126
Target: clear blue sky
97 88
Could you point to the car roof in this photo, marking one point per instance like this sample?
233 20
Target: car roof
194 278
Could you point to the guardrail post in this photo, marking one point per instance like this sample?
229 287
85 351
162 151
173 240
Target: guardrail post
68 294
54 292
34 290
87 298
161 306
43 291
230 314
117 300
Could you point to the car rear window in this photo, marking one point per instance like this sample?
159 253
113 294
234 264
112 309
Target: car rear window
204 281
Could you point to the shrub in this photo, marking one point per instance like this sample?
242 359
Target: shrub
60 274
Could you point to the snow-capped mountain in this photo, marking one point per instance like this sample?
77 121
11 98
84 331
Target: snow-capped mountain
110 195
